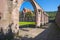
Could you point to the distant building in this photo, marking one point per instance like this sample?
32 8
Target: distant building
25 10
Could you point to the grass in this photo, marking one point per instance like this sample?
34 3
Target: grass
51 15
26 23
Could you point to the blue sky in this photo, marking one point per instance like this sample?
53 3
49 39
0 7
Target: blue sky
47 5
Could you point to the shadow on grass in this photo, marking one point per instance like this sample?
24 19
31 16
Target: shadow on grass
27 26
34 26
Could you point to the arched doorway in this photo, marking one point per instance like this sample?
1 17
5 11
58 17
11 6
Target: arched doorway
15 13
12 10
41 16
27 15
36 9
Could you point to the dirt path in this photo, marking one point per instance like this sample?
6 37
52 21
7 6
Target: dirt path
51 33
30 32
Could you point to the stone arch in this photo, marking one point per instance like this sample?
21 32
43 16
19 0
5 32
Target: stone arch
37 9
33 5
11 8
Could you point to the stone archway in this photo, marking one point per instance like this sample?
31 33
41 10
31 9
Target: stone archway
15 13
36 7
11 8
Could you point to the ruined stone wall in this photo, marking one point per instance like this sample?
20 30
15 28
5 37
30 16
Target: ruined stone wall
14 15
9 14
58 16
8 18
5 16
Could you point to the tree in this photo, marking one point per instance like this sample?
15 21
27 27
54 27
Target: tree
29 16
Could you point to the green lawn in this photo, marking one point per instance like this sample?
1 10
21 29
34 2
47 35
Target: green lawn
26 23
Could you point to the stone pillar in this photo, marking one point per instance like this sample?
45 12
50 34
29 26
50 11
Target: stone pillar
15 18
45 19
42 18
5 16
38 18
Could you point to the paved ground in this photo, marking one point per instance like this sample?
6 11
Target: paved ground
51 33
30 32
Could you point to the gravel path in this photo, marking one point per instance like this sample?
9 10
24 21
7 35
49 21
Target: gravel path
51 33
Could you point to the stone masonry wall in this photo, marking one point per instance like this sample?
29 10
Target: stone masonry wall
5 16
8 16
58 16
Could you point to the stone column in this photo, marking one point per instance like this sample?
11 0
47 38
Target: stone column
15 18
5 16
42 18
38 18
45 19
